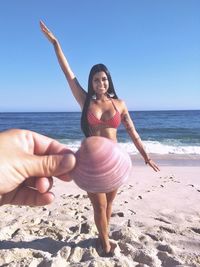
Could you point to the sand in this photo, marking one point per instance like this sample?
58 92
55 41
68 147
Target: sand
155 222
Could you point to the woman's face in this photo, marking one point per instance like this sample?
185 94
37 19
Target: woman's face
100 83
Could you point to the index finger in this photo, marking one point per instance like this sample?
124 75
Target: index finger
42 25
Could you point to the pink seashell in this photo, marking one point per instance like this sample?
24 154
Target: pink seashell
102 165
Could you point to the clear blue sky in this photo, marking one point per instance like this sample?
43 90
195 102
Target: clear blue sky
151 47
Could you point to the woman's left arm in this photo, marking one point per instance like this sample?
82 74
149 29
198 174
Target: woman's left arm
130 128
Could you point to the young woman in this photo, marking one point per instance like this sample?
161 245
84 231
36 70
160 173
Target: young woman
102 113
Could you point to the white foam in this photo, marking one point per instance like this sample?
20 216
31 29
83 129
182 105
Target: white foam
150 146
72 144
159 148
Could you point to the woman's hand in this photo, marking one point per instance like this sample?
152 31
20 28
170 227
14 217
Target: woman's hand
152 164
48 33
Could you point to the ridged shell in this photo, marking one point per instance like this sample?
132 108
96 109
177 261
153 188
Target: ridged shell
102 165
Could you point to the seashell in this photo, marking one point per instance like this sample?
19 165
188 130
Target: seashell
102 165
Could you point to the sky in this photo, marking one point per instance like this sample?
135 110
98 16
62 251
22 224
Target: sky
151 48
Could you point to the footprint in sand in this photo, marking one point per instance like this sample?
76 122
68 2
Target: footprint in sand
132 211
198 190
148 191
154 237
167 229
138 197
119 214
74 229
168 260
119 192
165 248
162 220
144 258
85 228
196 230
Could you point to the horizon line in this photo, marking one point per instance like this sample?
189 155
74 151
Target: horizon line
75 111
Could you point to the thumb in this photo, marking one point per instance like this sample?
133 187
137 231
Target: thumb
50 165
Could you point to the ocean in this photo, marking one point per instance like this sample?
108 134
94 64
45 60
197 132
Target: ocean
163 132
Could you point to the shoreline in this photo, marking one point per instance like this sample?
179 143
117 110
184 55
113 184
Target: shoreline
192 160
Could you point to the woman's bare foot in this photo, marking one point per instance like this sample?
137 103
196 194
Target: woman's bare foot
106 250
113 246
110 252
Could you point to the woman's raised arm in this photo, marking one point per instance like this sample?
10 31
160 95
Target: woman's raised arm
78 92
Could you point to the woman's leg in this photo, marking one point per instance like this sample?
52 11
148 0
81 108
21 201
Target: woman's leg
99 202
110 197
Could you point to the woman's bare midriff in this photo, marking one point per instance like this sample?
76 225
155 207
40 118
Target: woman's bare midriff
109 133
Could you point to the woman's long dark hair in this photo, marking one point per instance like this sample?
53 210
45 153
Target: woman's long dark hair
111 90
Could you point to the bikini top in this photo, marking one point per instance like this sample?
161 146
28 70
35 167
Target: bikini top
113 122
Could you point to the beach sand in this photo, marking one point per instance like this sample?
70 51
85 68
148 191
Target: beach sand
155 222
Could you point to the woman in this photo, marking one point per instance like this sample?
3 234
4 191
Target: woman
102 113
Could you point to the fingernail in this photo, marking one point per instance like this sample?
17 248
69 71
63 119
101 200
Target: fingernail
67 163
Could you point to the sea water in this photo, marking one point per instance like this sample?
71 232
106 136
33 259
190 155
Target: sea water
162 132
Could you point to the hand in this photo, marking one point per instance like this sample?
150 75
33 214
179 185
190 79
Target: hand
48 33
28 161
152 164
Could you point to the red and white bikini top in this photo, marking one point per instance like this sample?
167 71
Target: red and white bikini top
113 122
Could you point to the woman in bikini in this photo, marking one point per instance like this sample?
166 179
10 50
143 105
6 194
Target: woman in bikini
102 113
